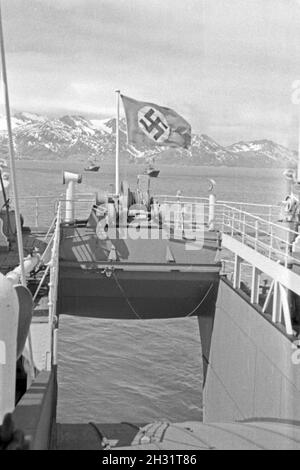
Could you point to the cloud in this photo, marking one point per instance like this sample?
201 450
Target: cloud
226 65
62 4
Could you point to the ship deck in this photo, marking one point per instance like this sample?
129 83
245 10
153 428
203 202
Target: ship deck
143 277
82 246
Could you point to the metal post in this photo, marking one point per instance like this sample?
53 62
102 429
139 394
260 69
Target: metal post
244 228
255 285
211 213
271 241
256 234
70 179
70 202
286 310
12 155
117 143
276 312
36 211
237 272
298 170
232 223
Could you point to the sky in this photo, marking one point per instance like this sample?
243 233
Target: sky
227 66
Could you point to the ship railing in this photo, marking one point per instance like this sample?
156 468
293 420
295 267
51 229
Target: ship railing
257 226
39 211
257 254
273 240
53 268
262 248
269 212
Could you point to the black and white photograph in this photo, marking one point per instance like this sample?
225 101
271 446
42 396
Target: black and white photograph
149 228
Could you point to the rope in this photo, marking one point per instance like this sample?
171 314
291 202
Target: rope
135 426
201 301
151 434
190 432
136 313
125 297
103 440
6 204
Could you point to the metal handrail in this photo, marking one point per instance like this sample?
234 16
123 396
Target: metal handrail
260 231
248 214
229 215
245 222
53 286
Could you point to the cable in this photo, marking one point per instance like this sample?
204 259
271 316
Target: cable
135 426
190 432
125 297
139 317
201 301
6 205
103 440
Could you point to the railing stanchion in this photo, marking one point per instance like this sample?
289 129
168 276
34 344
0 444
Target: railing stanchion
271 242
256 234
244 228
37 212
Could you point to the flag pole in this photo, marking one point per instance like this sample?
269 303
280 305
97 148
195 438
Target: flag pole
298 169
12 154
117 142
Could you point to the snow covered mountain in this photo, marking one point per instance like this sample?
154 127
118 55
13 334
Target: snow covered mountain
264 152
75 137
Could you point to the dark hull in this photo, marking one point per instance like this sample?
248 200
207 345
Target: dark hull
135 295
152 173
93 168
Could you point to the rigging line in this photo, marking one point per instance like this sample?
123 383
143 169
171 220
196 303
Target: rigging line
167 425
103 440
144 432
6 204
226 389
138 316
152 437
190 433
135 426
151 432
153 441
194 446
125 297
12 154
201 301
160 424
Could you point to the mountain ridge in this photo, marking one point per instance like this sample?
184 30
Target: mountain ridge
75 137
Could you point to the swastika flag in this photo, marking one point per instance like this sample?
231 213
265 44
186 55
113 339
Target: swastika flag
150 124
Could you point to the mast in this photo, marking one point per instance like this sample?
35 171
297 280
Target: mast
12 154
298 170
117 142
